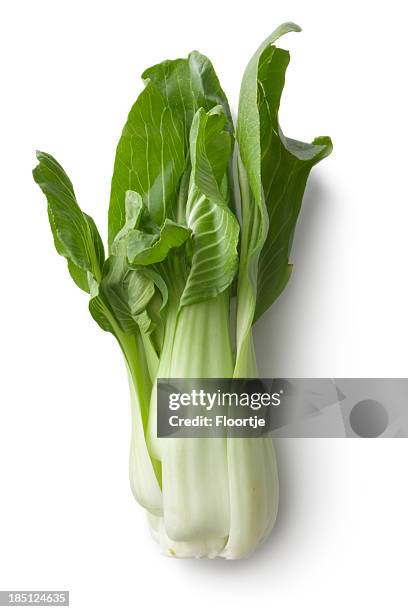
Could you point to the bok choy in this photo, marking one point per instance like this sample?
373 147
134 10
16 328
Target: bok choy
190 268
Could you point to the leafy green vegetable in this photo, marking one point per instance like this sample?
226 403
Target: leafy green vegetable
273 171
153 149
215 230
144 249
182 249
75 235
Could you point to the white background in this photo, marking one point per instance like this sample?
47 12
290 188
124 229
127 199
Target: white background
67 519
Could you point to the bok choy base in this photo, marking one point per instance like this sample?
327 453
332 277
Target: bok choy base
188 272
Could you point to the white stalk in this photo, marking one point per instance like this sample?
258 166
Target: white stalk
253 480
195 471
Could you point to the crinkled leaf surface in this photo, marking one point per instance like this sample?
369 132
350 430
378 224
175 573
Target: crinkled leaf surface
214 259
146 249
126 291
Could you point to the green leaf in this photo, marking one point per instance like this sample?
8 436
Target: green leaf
152 153
249 123
140 290
75 235
285 167
145 323
210 150
138 242
133 212
156 309
273 171
214 258
150 159
145 249
138 296
160 284
189 84
126 291
101 314
79 276
283 204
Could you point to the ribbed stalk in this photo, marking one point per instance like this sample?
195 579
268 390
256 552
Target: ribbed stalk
195 476
144 472
154 443
253 479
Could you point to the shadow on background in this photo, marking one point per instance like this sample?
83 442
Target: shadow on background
275 333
